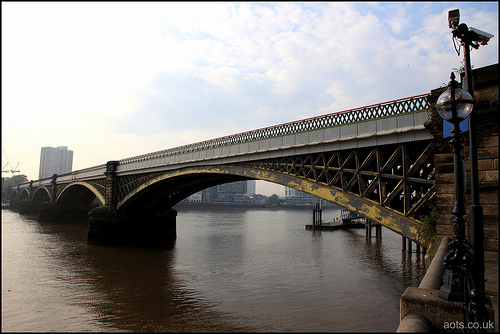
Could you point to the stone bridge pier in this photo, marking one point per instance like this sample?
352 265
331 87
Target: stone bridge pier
109 227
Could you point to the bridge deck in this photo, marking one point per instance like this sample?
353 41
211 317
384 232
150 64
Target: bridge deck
380 124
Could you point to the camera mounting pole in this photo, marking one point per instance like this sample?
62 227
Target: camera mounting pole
472 37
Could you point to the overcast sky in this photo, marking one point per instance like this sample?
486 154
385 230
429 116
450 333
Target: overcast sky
119 79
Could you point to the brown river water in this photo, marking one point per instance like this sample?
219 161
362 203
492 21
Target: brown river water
249 270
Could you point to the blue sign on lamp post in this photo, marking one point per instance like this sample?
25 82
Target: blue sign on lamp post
464 126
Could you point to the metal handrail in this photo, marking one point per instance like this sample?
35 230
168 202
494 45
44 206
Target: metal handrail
474 301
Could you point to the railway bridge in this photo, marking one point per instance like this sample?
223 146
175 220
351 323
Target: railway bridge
376 161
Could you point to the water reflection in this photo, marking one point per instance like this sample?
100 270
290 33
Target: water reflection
374 252
139 291
247 270
118 288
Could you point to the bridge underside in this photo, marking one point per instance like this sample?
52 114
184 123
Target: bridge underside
163 191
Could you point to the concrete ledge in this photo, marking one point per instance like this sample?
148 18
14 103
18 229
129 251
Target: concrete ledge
414 323
434 276
444 316
426 303
422 310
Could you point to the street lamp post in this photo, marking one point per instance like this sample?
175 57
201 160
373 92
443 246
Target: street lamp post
455 105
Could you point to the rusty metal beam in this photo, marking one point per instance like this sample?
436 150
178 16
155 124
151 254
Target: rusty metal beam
364 207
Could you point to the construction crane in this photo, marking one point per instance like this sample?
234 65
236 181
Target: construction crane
12 170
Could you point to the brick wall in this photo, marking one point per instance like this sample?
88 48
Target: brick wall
487 140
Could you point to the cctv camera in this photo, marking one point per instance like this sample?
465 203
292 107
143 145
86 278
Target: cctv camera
453 18
480 36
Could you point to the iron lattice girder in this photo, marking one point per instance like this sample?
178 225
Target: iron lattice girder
127 183
170 187
399 177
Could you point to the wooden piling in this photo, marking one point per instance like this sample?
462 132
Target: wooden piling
317 217
368 226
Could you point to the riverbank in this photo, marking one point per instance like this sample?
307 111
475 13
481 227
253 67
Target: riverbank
212 205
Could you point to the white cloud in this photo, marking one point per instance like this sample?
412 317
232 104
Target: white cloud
111 80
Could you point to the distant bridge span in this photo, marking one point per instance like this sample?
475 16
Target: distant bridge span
377 161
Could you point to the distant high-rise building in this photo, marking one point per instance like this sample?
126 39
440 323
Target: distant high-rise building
251 187
233 191
228 190
55 160
293 196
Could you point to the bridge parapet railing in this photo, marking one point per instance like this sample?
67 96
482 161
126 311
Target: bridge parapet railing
371 112
382 110
80 174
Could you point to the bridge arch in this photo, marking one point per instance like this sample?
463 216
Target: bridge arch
171 187
24 195
42 194
79 193
163 191
13 194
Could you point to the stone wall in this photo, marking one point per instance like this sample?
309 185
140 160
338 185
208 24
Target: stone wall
487 140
